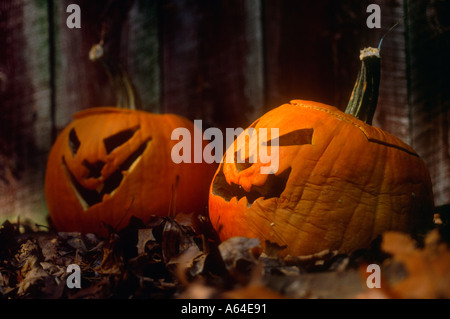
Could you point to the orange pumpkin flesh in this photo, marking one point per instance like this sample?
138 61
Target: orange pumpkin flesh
110 164
337 189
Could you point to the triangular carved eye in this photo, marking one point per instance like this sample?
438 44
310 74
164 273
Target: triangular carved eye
114 141
297 137
74 142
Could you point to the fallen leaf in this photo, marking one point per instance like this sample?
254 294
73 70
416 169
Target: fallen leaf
428 268
112 261
49 247
144 236
238 251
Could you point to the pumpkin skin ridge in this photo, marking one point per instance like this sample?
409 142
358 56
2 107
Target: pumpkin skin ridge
308 182
381 196
277 234
373 213
363 192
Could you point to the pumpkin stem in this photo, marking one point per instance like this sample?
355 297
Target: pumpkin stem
364 98
126 94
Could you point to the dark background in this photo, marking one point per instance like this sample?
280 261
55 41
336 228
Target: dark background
223 61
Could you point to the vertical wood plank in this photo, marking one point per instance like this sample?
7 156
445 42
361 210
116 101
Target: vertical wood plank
254 62
131 39
79 83
25 126
182 85
392 111
310 50
428 68
212 61
140 52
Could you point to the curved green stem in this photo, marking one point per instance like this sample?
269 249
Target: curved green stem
126 94
364 98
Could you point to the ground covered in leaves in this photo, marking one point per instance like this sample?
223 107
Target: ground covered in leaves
181 258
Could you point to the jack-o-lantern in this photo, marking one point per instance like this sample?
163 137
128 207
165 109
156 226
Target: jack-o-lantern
340 181
112 163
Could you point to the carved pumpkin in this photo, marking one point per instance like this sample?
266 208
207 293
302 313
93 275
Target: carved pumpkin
339 184
110 164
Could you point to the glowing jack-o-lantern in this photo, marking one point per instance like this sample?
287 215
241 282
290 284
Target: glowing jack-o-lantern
340 183
110 164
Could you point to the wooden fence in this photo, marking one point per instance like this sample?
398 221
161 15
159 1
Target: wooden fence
223 61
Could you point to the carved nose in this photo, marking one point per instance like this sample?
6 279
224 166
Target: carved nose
95 169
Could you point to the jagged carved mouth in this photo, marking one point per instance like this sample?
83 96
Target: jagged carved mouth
89 197
274 185
272 188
